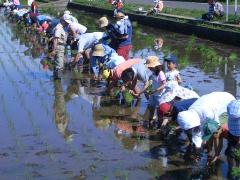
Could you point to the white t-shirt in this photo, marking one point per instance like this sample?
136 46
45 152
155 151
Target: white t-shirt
172 78
88 40
73 19
218 7
79 28
211 106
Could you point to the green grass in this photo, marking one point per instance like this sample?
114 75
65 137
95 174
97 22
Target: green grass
183 12
131 7
24 2
236 170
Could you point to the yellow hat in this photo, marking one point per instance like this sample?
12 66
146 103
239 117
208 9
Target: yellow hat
106 74
152 61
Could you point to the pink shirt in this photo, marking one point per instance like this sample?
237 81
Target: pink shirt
157 81
16 2
117 71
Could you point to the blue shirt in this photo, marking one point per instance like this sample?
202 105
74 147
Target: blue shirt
42 18
182 105
111 59
113 35
126 30
54 23
141 72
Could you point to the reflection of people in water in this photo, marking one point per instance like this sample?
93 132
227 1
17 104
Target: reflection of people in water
132 136
230 83
158 44
96 102
60 114
73 90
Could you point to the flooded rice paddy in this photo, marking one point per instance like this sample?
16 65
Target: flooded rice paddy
70 130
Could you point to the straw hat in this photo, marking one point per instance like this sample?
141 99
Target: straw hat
103 22
98 50
152 61
106 74
120 15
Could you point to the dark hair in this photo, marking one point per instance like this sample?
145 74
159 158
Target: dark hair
127 75
157 69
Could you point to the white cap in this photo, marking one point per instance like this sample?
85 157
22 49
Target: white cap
188 119
67 12
67 18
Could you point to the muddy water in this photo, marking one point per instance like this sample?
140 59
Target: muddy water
68 130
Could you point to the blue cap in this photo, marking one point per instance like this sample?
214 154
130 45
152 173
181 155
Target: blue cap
171 58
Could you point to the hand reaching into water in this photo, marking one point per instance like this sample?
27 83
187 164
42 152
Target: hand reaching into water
133 93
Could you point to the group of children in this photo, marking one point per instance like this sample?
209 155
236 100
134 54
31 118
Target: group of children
197 117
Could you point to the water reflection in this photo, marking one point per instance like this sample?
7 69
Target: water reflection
73 90
61 118
230 83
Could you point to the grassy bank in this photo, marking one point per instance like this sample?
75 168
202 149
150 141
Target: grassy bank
24 2
131 7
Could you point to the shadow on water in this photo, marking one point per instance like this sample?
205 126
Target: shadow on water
70 129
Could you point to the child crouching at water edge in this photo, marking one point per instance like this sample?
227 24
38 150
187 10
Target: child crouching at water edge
158 84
